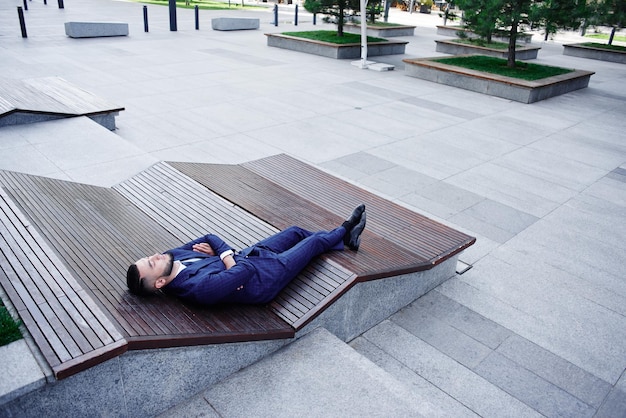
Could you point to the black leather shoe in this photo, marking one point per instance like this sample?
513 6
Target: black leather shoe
354 235
353 220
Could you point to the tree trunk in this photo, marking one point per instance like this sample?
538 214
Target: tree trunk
611 36
340 21
512 42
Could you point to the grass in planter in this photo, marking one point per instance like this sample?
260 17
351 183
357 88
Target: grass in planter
605 36
481 42
605 46
379 24
331 37
205 4
493 65
9 328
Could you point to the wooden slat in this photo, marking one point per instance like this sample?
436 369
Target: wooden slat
51 95
396 241
75 299
426 237
64 323
98 233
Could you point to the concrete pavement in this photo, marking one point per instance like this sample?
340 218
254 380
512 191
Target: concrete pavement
536 327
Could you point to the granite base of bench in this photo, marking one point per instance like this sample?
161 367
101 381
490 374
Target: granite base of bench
601 54
21 118
454 31
455 48
330 50
382 31
234 23
182 372
95 29
505 87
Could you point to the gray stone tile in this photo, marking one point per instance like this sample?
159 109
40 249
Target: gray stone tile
542 396
447 339
553 168
437 160
521 191
444 110
618 174
554 369
614 405
567 333
608 189
461 318
198 407
485 145
584 147
377 90
457 381
318 374
25 375
511 128
365 163
397 181
433 401
494 220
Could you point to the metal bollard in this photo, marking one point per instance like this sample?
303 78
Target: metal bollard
20 14
296 17
314 18
173 25
197 17
145 18
276 15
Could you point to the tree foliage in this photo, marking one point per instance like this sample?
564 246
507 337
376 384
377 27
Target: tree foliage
336 10
553 15
610 13
486 17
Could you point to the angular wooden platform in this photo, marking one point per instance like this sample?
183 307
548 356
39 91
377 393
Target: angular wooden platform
65 248
38 99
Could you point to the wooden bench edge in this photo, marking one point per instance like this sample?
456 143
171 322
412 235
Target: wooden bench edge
88 360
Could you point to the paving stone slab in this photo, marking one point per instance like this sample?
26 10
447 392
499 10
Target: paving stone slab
563 374
432 400
318 375
459 382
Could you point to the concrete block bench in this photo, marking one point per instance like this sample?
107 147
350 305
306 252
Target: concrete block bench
234 23
95 29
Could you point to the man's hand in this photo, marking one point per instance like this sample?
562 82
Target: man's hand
203 248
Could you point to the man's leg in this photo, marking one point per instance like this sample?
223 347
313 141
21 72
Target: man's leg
284 240
296 258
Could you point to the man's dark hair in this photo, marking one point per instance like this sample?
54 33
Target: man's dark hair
133 281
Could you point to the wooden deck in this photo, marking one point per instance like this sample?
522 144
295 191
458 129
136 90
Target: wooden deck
65 248
51 96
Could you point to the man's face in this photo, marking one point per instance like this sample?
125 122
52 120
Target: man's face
155 266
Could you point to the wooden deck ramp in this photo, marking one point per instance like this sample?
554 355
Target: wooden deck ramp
40 99
65 248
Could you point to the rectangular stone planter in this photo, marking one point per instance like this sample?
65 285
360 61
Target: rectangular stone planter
327 49
584 51
95 29
381 31
234 23
455 48
495 85
453 31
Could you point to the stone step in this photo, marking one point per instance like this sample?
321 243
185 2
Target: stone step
316 376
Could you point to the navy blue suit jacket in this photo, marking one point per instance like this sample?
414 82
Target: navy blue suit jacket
208 282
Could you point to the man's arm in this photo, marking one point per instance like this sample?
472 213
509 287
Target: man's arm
215 287
228 260
209 244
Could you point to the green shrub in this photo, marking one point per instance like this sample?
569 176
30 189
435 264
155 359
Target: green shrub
9 328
